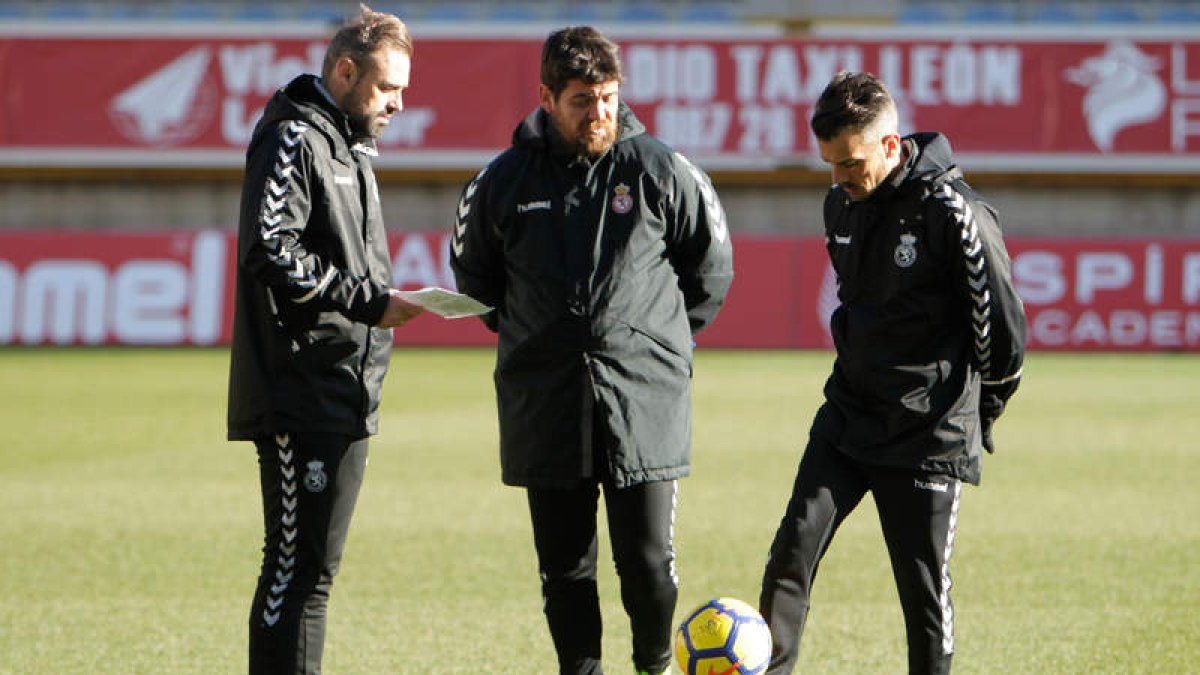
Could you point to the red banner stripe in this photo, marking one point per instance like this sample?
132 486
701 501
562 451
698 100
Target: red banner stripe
177 289
1104 102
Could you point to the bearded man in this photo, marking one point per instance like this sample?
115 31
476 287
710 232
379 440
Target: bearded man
603 253
312 327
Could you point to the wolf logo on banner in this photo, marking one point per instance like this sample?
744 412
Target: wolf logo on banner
1123 89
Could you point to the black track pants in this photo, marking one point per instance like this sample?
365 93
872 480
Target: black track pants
640 528
918 514
310 483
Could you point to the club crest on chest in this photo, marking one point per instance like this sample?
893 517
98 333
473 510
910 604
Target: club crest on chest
906 251
622 201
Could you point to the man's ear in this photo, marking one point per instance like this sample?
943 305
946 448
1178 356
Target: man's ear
891 145
346 71
546 97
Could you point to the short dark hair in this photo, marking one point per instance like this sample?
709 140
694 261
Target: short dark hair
364 35
578 53
853 102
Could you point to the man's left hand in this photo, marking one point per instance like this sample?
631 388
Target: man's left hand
398 312
985 424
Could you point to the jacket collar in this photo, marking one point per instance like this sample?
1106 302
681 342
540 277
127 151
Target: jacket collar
537 132
927 158
307 99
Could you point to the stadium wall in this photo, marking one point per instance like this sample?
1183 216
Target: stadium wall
74 288
780 205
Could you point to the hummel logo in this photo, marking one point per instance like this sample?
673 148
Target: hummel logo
930 485
534 206
840 239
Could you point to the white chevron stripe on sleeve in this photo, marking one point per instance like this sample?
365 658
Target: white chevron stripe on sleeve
458 243
712 206
274 202
275 189
976 273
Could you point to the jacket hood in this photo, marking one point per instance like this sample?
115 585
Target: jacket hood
930 160
305 100
930 154
537 132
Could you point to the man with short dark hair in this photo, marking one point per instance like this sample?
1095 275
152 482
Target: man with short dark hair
312 324
930 340
603 252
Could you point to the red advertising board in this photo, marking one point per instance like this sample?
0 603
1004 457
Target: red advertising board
1104 102
177 289
1126 294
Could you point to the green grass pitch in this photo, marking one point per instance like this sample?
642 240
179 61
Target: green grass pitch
129 528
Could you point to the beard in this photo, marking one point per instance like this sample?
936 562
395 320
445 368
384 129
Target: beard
583 143
596 145
364 125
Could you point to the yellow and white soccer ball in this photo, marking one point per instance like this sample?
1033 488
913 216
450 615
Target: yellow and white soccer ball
724 636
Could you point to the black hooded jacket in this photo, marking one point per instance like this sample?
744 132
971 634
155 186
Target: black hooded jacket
313 275
930 333
600 272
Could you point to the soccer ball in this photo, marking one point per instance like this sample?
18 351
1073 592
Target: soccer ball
723 637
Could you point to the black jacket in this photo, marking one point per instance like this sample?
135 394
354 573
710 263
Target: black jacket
312 278
600 272
930 334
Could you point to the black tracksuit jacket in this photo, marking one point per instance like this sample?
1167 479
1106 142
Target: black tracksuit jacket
313 275
600 272
930 334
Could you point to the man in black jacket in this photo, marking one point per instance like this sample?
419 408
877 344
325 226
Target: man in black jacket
603 252
312 324
930 342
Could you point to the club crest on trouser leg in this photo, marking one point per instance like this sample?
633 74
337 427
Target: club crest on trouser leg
315 480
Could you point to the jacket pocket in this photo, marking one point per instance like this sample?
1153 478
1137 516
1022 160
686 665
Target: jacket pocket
675 353
331 343
916 384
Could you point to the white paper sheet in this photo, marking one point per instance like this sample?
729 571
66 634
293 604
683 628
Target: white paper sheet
444 302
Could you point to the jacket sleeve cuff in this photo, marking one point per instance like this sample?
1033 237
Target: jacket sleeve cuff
373 311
